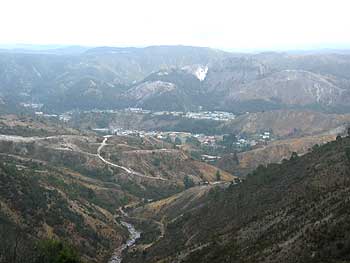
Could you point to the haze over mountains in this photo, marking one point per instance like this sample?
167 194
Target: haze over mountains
176 78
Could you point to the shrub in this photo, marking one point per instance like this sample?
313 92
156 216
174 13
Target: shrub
188 182
218 175
347 152
55 251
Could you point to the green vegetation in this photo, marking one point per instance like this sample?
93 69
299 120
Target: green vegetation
46 199
295 211
228 140
55 251
218 175
156 162
188 182
347 152
178 141
193 141
17 246
294 156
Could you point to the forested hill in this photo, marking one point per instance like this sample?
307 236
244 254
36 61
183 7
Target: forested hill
296 211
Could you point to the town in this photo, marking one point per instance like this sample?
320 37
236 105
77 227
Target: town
210 147
200 115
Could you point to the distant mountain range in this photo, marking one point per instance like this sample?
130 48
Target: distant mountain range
174 78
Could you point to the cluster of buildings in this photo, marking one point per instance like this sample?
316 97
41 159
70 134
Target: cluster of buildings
255 140
40 113
138 110
211 115
175 137
182 137
65 117
265 136
200 115
163 135
37 109
34 106
120 132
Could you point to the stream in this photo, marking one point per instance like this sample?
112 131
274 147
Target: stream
134 235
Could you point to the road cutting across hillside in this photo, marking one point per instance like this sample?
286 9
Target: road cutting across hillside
128 170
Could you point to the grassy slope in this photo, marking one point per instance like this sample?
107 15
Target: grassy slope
57 186
274 152
296 211
47 202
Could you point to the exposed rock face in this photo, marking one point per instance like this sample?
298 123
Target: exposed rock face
199 71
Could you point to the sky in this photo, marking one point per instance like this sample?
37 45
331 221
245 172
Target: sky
229 24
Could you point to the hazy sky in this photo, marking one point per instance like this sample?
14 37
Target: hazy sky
222 24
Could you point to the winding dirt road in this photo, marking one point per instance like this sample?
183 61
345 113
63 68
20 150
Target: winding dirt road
128 170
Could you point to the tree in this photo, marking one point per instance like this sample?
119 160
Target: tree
177 141
235 158
228 140
218 175
294 156
55 251
347 152
188 182
193 140
196 155
156 162
315 147
168 139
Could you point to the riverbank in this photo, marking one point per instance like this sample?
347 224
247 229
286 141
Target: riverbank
134 235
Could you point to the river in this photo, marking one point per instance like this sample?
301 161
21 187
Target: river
133 236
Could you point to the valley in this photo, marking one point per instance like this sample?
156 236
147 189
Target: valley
92 182
140 181
174 154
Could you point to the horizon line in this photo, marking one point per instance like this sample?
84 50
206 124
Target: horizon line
291 48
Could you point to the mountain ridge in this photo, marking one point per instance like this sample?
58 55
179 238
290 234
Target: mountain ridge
106 77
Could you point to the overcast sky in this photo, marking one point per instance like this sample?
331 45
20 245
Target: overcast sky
235 24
